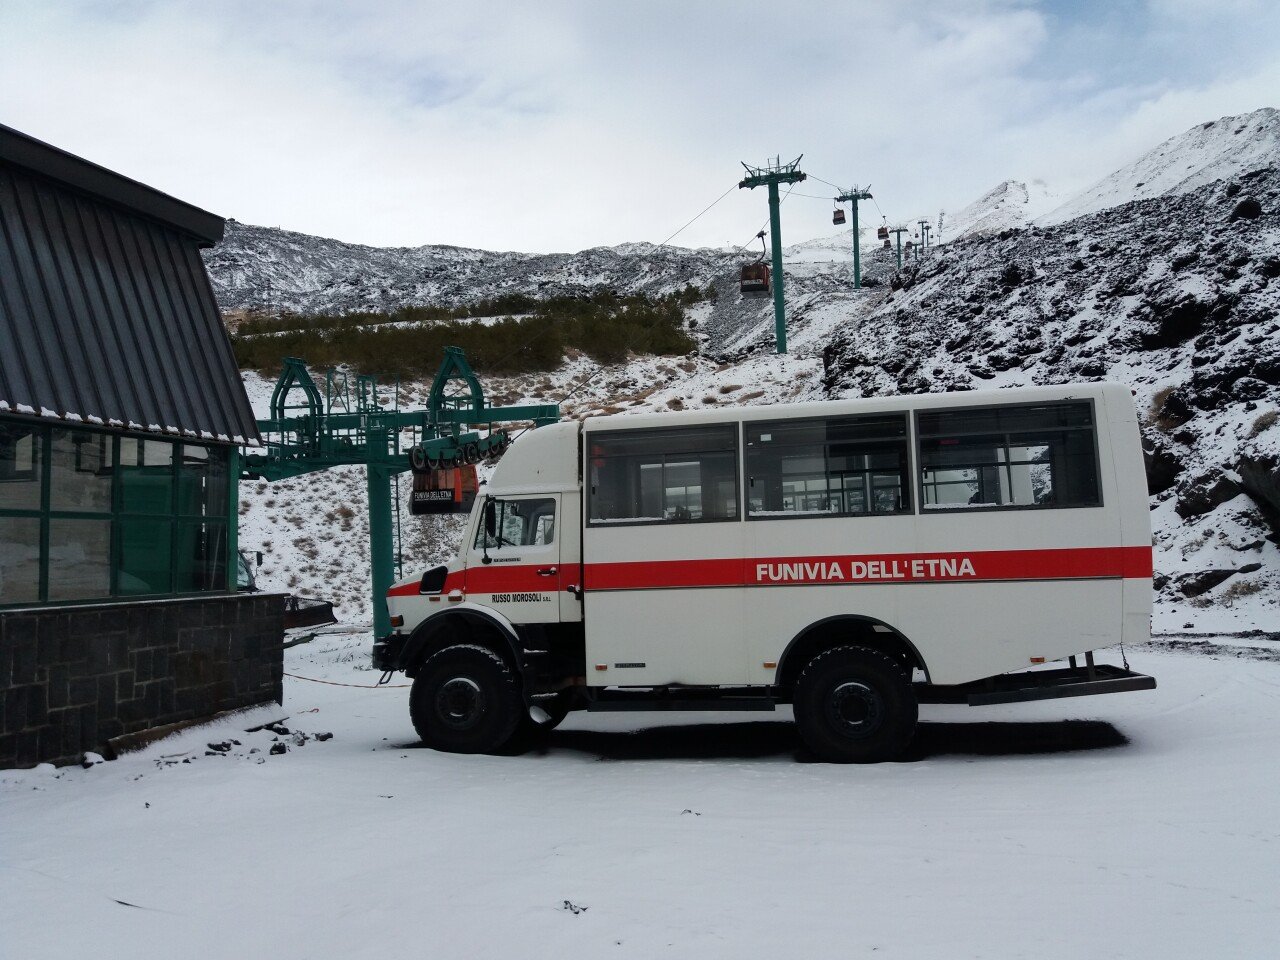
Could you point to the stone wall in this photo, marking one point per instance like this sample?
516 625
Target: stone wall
73 677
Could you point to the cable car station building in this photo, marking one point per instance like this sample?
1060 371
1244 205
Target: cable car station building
121 412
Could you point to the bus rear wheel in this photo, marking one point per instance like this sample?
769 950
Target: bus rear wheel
466 699
855 705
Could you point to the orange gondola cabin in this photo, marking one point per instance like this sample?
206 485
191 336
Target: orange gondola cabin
444 490
755 280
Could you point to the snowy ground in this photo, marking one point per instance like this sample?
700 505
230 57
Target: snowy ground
1138 825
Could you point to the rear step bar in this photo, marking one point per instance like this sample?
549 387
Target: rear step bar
1038 685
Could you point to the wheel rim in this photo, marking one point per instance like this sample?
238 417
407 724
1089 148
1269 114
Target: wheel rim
460 703
855 710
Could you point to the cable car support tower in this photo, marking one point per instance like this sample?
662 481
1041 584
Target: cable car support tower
897 232
852 197
308 432
770 175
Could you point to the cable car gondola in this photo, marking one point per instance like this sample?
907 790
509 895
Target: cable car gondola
754 280
882 233
443 490
837 215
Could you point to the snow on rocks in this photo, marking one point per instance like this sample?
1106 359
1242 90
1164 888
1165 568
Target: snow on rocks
1169 295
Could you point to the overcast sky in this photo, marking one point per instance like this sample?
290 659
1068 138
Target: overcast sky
564 124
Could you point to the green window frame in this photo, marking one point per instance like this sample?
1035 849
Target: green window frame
99 515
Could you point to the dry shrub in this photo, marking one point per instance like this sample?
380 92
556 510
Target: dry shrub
675 403
1264 422
730 387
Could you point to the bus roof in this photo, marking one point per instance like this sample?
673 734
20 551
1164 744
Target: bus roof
827 408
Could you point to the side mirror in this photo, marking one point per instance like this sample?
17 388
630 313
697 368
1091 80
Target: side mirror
259 558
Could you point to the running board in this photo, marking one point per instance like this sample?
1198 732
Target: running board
1037 685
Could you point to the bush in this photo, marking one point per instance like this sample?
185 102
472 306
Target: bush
409 343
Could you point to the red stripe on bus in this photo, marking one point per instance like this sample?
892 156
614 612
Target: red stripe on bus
1067 564
1079 563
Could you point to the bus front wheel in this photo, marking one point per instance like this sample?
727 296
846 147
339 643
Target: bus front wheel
855 705
466 699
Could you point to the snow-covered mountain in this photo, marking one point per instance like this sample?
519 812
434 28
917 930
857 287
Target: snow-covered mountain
265 267
1214 150
1005 206
1177 295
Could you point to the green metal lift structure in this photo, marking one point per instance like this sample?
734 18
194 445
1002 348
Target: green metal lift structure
898 231
852 197
309 431
770 175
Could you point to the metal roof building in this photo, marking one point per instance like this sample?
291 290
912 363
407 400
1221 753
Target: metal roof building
121 408
106 313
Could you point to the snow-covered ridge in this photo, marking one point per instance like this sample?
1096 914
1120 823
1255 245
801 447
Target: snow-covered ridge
1214 150
1008 205
265 267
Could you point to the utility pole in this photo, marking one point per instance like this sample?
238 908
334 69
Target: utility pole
928 229
852 197
770 175
898 231
924 236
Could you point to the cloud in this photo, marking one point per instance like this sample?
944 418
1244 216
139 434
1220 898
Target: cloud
561 125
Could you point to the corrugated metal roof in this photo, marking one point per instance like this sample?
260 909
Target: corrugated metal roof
51 163
106 312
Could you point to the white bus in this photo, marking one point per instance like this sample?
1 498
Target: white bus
851 558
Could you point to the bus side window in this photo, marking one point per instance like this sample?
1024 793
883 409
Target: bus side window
678 475
845 466
1022 456
519 523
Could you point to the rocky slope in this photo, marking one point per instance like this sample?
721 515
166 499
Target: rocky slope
264 267
1177 296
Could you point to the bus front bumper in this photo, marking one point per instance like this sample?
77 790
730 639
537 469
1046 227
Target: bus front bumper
388 650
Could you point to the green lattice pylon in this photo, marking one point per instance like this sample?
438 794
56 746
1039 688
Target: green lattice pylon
770 175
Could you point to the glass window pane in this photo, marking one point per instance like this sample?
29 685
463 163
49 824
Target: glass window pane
202 481
1043 456
146 476
519 523
20 459
19 559
678 475
844 466
200 557
79 559
80 471
145 551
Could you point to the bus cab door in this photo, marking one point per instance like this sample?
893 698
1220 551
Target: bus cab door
569 522
514 564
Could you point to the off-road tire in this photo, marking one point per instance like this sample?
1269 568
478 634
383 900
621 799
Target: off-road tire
466 699
855 705
532 733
